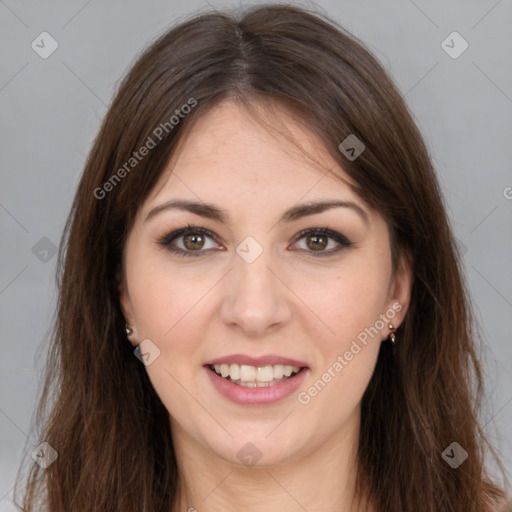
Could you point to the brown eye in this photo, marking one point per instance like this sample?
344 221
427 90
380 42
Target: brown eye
193 241
317 242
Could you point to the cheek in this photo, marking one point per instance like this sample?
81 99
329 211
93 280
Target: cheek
169 308
340 378
334 395
349 301
350 304
165 298
173 309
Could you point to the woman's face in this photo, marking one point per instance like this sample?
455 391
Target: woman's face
247 295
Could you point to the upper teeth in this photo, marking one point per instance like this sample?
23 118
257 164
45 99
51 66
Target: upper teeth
248 373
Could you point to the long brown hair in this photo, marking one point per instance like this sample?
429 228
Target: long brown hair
98 409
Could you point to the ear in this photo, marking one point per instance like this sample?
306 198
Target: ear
126 306
400 288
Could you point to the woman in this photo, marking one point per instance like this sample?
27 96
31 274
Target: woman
260 294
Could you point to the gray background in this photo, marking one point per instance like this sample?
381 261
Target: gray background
51 109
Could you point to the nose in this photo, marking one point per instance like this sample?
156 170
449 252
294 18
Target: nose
256 299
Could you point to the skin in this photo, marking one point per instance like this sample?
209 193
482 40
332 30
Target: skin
287 302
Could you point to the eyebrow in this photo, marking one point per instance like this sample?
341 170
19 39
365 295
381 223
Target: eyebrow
213 212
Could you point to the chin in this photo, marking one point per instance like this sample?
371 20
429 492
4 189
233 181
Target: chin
257 450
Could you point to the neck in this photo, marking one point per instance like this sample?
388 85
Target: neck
208 482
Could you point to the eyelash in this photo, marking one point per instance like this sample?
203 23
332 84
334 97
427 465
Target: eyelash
167 240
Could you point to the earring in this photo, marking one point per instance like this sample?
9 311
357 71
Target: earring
392 336
128 329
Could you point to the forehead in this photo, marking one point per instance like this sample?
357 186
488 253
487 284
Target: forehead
232 154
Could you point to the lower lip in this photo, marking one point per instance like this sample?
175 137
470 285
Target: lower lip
256 396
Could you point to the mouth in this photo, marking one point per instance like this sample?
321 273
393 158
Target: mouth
256 381
255 376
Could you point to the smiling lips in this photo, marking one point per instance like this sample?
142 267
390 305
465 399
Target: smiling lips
255 381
